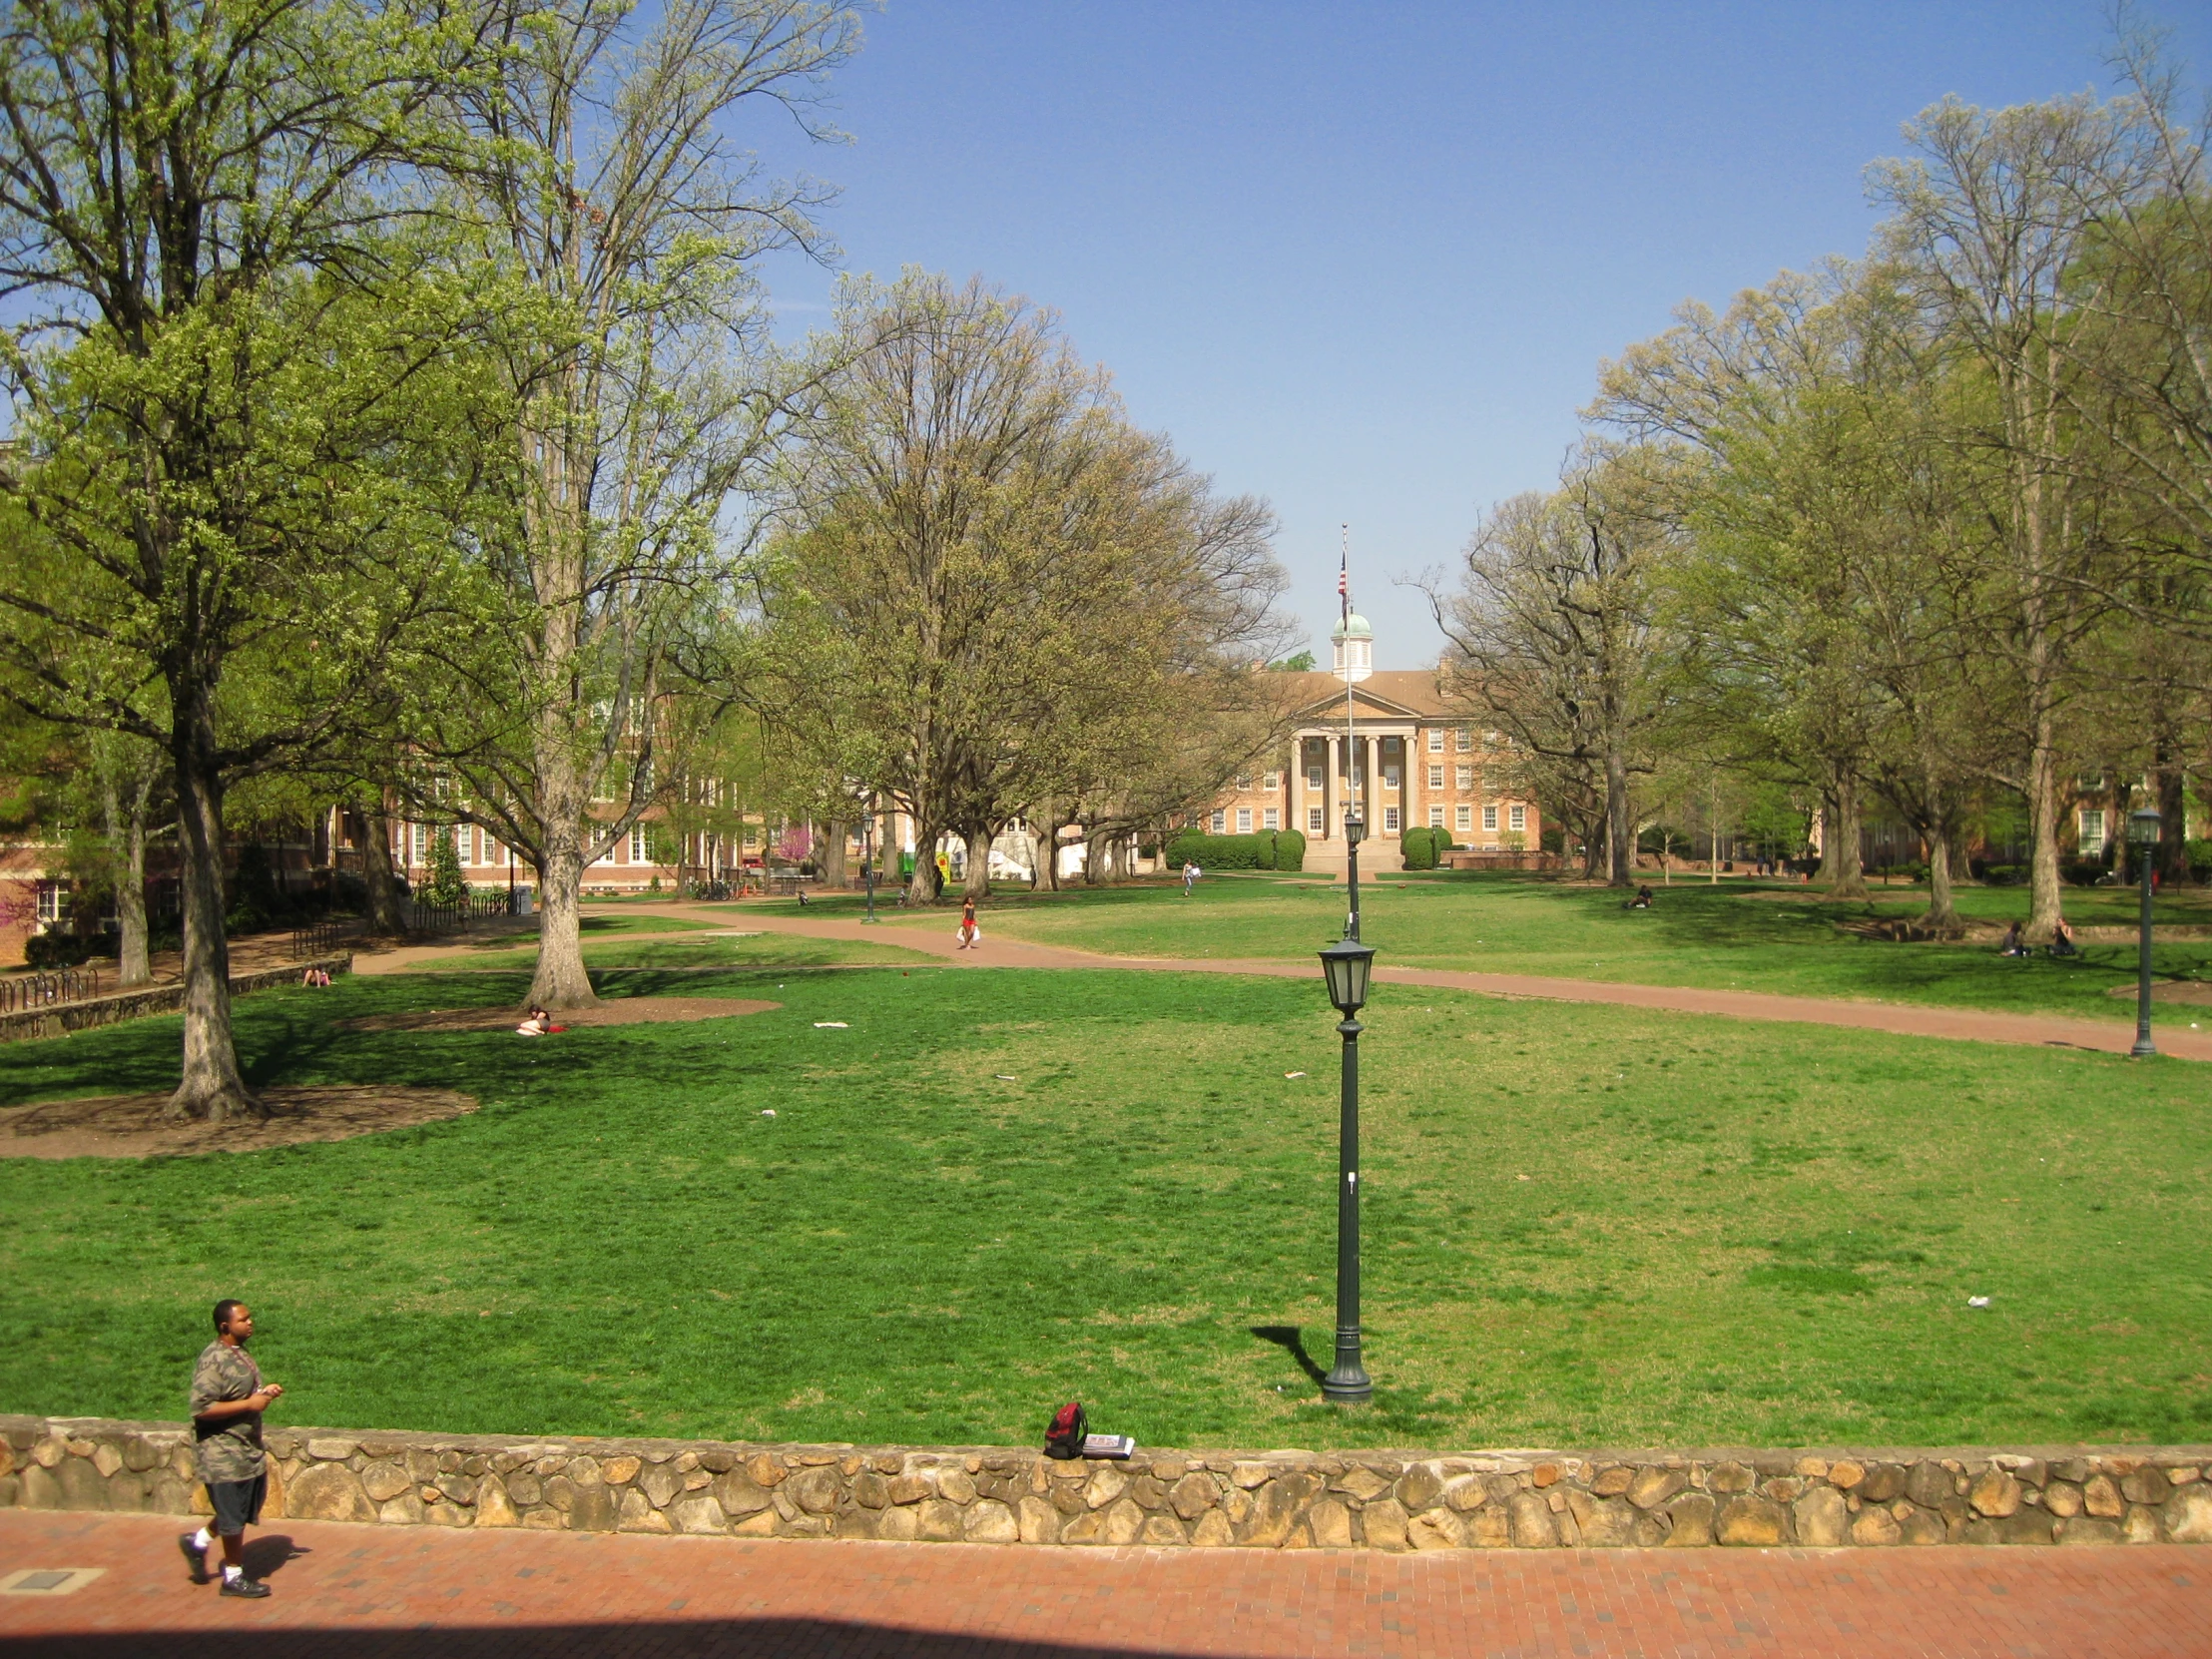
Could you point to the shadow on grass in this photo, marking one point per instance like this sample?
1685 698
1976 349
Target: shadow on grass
1288 1339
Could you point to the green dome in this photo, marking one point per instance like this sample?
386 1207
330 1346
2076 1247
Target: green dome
1353 627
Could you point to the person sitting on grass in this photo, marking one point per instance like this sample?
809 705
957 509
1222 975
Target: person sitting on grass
2062 940
539 1024
1642 900
2014 945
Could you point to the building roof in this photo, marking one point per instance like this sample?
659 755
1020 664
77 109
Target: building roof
1386 694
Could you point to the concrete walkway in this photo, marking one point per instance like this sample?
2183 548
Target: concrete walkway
1898 1018
368 1592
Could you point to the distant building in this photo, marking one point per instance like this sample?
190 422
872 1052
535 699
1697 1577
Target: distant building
1411 759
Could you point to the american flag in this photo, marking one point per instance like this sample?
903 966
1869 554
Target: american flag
1344 579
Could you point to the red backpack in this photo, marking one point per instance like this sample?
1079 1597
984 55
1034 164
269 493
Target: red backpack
1065 1438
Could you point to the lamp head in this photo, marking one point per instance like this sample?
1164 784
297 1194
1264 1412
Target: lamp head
2142 825
1356 828
1348 965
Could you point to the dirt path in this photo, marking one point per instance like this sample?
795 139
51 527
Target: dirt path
1898 1018
1901 1019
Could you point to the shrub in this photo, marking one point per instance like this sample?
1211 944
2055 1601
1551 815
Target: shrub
1419 847
60 950
445 886
2005 875
2200 860
1266 849
2081 873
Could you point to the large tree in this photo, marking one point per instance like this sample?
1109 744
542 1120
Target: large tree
642 385
218 429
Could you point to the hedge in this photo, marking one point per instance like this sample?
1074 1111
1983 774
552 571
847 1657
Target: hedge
1268 850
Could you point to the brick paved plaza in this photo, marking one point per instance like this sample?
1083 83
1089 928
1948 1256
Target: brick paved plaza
344 1592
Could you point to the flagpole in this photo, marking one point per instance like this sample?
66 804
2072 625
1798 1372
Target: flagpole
1355 818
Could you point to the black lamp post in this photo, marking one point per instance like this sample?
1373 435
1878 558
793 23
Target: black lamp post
868 859
1347 966
1355 829
2142 836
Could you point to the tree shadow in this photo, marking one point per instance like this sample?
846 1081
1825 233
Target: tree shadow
1288 1339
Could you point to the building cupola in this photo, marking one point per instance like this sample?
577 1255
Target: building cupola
1353 649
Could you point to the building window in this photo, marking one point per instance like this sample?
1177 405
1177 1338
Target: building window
1435 740
1244 820
1435 778
1272 818
1243 782
752 837
1390 821
1435 818
1221 822
1313 777
637 844
1489 819
2092 831
1466 778
1460 816
421 842
1271 780
1312 821
1467 739
53 904
1517 820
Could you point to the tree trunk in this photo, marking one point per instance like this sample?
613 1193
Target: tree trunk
1048 852
979 838
1619 838
213 1087
1841 857
383 891
830 857
561 981
1940 918
2047 904
134 963
922 887
2173 825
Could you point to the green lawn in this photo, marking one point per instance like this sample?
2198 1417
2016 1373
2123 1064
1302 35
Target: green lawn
712 951
1727 1233
1770 938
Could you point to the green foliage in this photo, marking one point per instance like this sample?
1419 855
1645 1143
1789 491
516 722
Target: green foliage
1419 848
1298 662
1263 849
59 950
445 886
256 904
765 1289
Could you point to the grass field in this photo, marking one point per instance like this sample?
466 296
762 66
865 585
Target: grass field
1765 939
715 950
997 1190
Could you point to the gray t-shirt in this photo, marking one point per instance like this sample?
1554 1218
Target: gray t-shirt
230 1449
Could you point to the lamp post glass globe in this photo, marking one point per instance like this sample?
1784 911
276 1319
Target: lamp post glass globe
2143 825
1347 966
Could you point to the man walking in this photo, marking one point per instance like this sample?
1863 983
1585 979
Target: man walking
228 1400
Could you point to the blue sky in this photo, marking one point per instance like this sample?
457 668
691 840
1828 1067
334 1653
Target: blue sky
1362 259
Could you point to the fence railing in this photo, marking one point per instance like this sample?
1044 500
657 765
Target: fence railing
44 990
319 939
456 918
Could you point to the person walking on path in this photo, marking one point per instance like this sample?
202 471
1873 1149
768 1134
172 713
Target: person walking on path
971 934
1190 878
228 1400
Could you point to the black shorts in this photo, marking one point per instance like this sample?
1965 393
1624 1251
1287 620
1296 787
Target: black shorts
237 1504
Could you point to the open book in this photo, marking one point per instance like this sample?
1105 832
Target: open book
1109 1445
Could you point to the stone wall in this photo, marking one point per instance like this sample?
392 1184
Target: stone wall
65 1017
1259 1501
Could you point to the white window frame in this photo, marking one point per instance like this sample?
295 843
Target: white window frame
1244 820
1313 824
2091 831
1435 818
53 904
1464 816
1317 778
1271 780
1435 740
638 853
1463 776
1465 739
1390 776
421 844
1390 821
1436 777
1220 824
1489 821
1271 817
1517 821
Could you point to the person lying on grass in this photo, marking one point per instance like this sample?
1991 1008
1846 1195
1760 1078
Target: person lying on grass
539 1024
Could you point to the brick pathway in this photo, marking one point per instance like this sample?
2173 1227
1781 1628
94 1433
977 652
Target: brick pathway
357 1592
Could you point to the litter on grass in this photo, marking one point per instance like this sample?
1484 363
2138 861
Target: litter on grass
768 1111
1977 1301
1005 1077
831 1025
1294 1074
